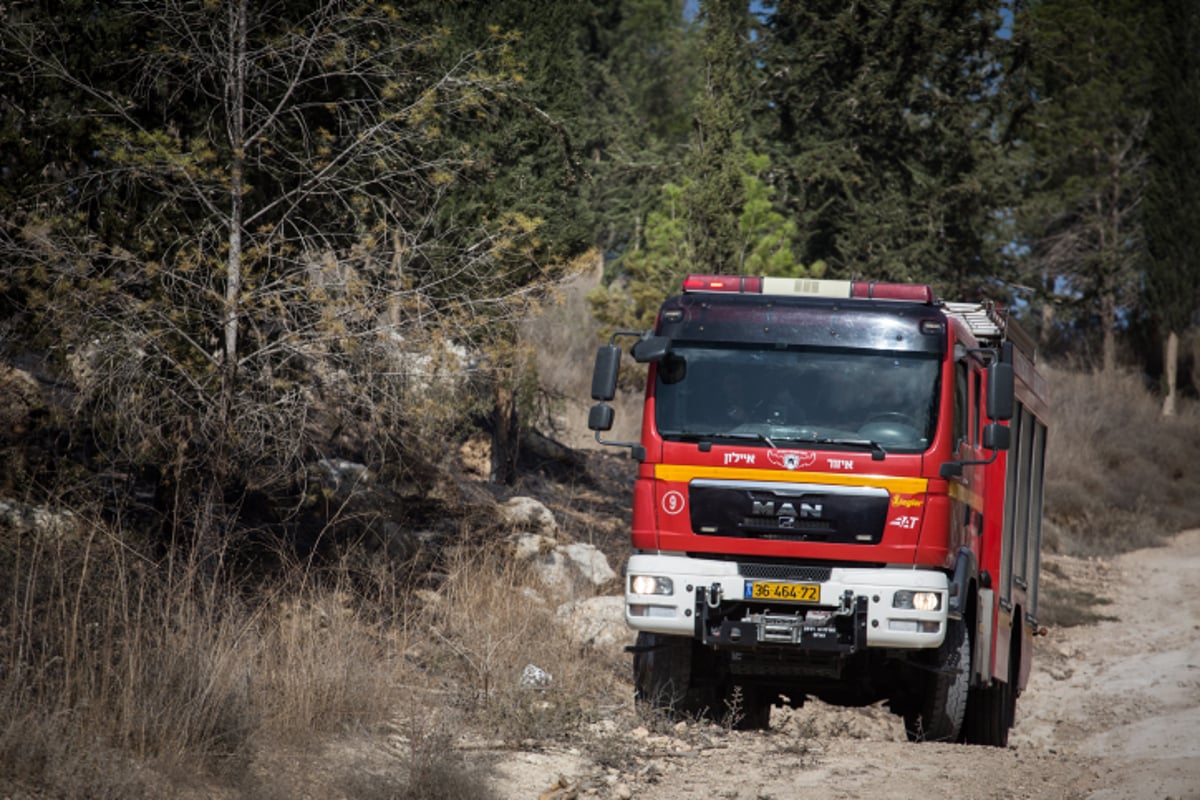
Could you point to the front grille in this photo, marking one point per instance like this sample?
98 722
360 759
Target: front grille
801 528
782 511
784 572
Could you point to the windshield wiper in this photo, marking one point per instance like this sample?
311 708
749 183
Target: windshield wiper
877 451
690 436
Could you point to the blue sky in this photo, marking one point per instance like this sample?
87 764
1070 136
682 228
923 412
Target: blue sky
692 7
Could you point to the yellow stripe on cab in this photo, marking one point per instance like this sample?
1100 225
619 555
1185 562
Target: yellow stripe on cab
683 473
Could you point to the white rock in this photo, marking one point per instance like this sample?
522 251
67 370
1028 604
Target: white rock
572 569
596 621
591 563
534 677
529 514
527 546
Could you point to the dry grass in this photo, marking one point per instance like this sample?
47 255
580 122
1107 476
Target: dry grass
1063 606
487 624
111 659
119 674
1119 476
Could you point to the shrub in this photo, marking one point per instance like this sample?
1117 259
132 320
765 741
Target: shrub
1118 476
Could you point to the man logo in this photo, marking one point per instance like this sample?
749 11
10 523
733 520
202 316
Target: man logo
786 513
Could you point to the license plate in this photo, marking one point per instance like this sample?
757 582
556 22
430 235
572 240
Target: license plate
790 592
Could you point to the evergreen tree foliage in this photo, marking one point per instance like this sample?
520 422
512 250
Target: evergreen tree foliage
645 74
649 56
717 153
584 144
1171 212
883 120
720 217
525 152
766 235
651 272
668 254
1089 80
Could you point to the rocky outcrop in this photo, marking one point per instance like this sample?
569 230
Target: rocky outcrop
571 569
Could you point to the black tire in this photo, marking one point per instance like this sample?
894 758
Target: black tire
989 715
992 709
667 678
938 711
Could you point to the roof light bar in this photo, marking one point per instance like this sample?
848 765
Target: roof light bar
723 283
914 292
809 287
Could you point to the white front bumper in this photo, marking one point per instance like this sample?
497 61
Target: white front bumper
887 626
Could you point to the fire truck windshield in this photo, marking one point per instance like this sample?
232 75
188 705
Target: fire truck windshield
837 397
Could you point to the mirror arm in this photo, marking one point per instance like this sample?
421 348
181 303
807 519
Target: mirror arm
955 467
636 450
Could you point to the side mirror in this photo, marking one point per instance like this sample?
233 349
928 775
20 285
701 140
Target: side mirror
951 469
996 436
600 417
604 374
1000 391
604 384
653 348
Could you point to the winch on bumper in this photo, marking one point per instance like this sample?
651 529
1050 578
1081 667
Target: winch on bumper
841 629
747 605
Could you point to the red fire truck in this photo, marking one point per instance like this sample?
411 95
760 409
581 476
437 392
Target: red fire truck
839 495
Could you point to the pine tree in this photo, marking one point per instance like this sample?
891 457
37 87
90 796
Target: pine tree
883 119
763 246
1089 82
1171 212
525 151
717 152
594 127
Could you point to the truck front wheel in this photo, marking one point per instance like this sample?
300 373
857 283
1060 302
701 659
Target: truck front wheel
669 677
991 709
936 714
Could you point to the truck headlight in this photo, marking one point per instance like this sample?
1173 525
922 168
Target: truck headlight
651 584
917 601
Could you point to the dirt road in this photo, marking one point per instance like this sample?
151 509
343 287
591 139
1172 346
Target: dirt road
1112 711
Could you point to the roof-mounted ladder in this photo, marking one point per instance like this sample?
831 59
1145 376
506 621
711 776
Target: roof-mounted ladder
990 327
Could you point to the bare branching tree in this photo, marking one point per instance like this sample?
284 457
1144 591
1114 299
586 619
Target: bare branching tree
252 262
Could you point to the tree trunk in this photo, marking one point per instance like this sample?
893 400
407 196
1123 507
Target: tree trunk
1170 372
237 141
1047 324
1193 340
211 519
1109 321
505 433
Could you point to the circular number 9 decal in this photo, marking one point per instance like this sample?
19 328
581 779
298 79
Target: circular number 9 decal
672 502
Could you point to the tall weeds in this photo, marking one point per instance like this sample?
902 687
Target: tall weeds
1119 476
106 650
486 626
119 670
